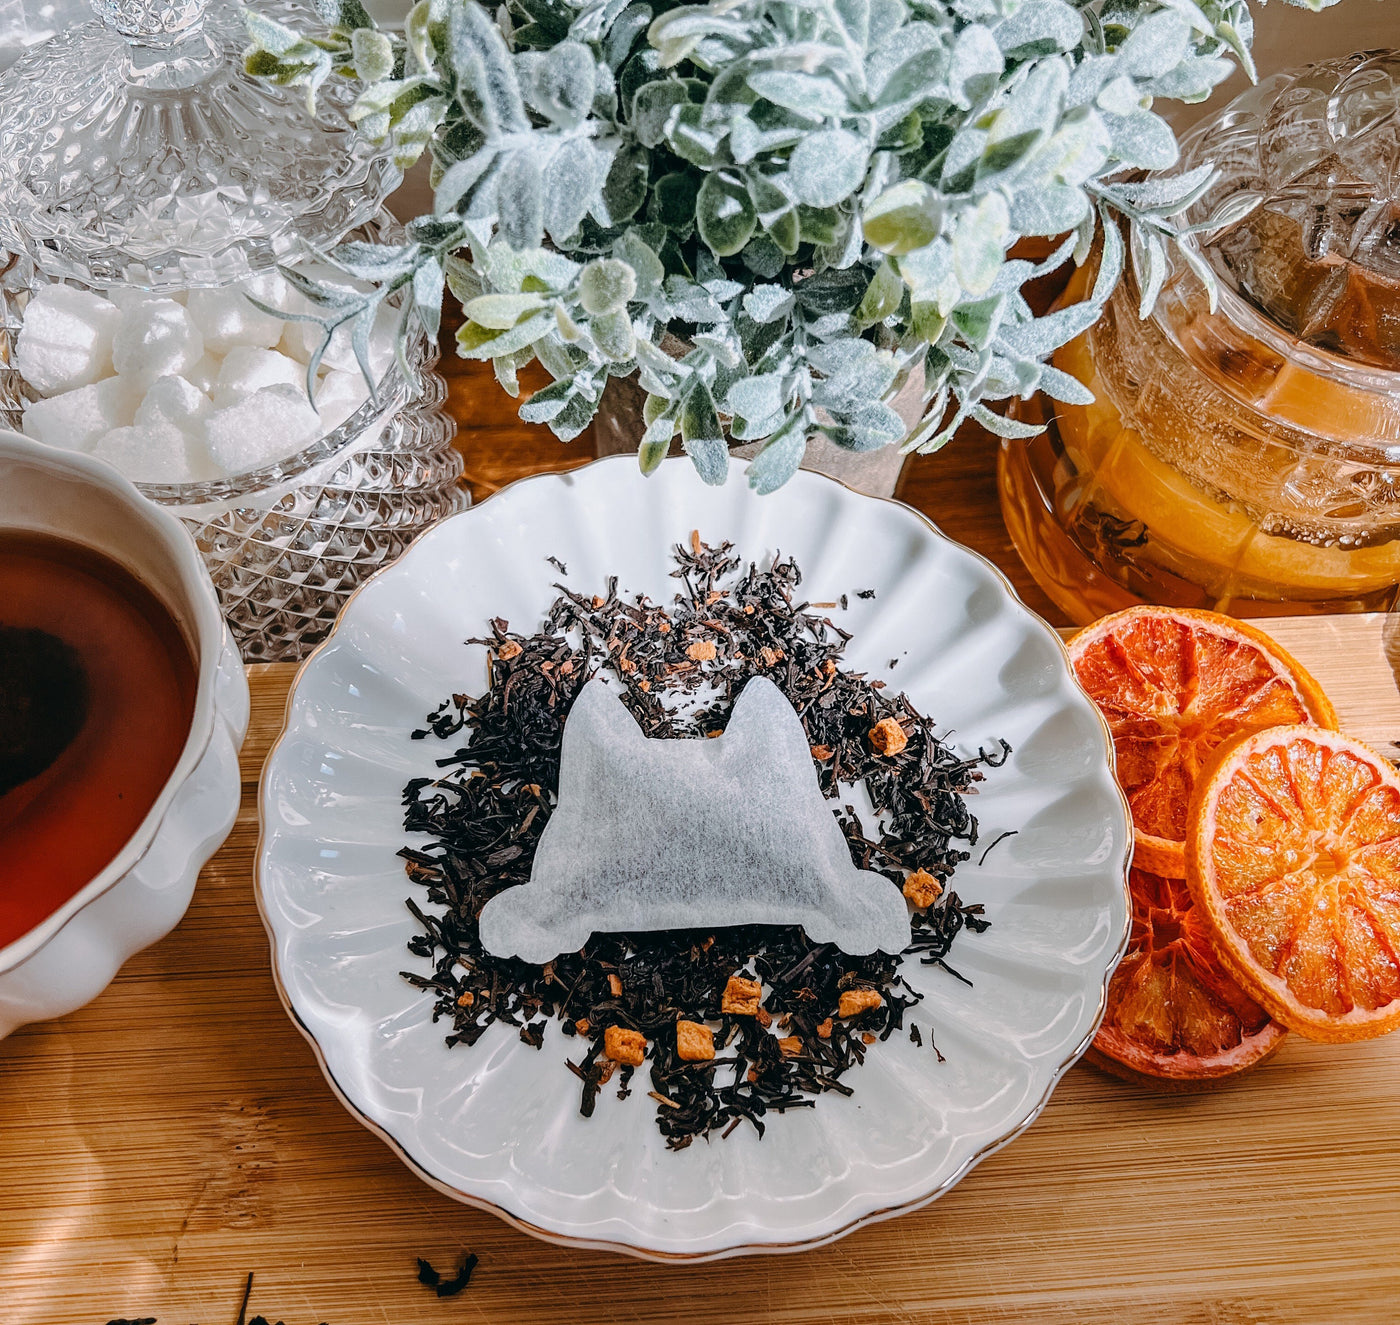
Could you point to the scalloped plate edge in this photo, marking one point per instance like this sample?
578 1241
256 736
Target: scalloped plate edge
638 1249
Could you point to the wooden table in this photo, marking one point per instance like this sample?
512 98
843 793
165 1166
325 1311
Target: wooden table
176 1134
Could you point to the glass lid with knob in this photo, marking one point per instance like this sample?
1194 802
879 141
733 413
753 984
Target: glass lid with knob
135 150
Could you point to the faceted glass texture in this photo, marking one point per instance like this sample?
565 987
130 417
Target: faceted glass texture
149 18
1248 454
288 543
135 151
25 23
285 556
141 153
1319 256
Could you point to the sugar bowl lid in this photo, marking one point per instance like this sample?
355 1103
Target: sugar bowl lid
1316 150
134 149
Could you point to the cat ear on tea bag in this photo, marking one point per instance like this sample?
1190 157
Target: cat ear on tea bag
681 834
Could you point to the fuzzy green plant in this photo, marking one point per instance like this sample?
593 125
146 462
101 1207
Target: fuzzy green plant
770 210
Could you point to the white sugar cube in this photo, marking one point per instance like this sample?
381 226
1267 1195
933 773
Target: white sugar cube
156 453
172 400
76 419
300 340
204 374
246 369
226 317
129 296
338 396
66 339
276 291
156 338
267 426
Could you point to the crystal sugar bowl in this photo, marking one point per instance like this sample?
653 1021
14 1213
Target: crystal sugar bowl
151 192
1247 455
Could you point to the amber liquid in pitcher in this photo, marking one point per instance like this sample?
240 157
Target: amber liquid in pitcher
1210 471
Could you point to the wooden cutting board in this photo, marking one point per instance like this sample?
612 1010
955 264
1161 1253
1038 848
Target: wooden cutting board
177 1134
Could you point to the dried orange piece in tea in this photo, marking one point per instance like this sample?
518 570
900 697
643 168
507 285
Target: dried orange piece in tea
1174 685
1174 1015
1293 860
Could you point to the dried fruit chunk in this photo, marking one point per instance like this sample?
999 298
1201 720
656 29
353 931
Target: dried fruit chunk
1174 1014
740 997
1294 861
1174 684
624 1046
694 1043
887 737
855 1001
922 888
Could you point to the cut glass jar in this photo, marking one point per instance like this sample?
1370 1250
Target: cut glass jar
1248 456
137 161
25 23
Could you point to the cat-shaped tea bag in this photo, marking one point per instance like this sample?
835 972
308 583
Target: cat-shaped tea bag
679 834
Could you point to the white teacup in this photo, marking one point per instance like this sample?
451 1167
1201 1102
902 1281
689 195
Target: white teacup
68 958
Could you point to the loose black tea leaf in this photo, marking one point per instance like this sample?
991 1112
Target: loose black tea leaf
1000 837
431 1278
680 669
247 1293
139 1320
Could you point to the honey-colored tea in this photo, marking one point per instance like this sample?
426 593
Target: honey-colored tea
1241 453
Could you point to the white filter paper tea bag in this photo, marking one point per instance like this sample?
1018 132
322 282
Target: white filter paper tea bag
684 834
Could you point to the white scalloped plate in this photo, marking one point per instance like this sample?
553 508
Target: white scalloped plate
497 1125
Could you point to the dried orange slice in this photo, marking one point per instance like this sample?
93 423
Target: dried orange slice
1293 861
1174 684
1174 1015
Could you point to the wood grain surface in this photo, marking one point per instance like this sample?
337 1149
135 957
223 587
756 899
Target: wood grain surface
177 1133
